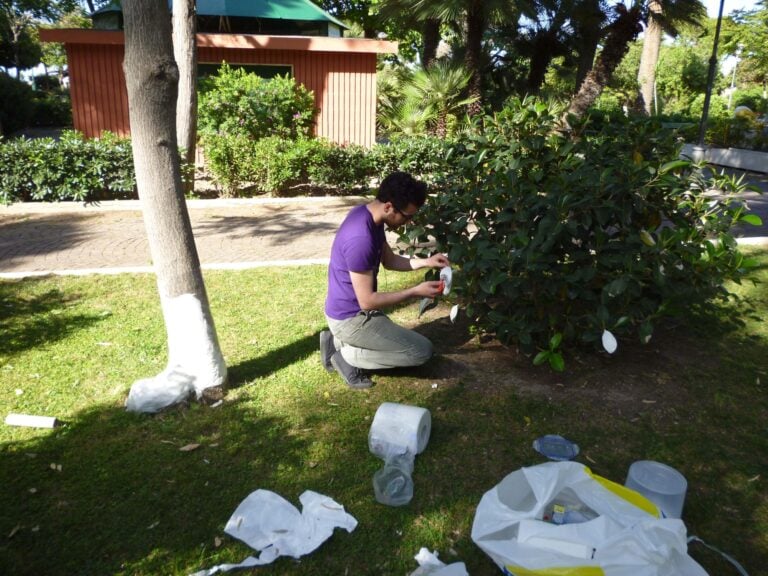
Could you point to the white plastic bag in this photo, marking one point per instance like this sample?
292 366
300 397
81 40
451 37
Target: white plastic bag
269 523
559 517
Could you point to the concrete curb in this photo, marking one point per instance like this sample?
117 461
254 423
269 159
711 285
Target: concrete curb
729 157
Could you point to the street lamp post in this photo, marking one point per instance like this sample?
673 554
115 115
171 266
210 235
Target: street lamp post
710 76
733 77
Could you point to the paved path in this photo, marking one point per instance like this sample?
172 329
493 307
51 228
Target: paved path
70 238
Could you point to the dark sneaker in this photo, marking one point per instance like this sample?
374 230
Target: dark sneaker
354 377
327 350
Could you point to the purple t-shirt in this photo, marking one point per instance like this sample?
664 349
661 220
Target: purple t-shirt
356 248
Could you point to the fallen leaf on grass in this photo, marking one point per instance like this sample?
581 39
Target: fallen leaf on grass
153 525
649 401
590 459
36 528
15 529
754 478
56 467
217 542
189 447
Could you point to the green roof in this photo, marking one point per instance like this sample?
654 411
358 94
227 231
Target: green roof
275 9
302 10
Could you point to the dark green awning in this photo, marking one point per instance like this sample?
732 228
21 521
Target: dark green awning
276 9
301 10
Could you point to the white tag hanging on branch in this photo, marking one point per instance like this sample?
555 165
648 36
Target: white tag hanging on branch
446 276
609 342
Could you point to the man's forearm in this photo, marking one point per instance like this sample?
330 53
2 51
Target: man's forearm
403 264
380 300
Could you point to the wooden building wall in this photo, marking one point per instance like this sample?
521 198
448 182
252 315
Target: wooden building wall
342 79
344 85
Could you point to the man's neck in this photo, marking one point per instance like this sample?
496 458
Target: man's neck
376 209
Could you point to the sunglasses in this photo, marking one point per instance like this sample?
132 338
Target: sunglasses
405 215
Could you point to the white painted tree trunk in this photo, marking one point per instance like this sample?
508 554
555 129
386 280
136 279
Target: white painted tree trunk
195 362
185 54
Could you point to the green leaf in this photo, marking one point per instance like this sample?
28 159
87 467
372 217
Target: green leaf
752 219
554 342
556 362
541 357
675 164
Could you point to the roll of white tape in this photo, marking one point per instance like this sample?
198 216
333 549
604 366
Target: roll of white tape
31 421
399 427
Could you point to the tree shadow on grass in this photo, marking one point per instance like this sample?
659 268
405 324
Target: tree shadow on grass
113 492
31 321
275 360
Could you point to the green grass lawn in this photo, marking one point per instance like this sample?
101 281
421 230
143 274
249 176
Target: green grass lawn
112 493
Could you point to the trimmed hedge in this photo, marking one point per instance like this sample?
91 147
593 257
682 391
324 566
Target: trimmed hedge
70 168
282 167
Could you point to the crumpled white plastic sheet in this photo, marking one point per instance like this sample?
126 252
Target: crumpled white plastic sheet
267 522
431 565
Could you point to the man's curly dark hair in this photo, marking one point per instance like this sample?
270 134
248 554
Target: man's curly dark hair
401 189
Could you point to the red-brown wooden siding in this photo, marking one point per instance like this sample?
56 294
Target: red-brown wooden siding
342 78
97 88
341 84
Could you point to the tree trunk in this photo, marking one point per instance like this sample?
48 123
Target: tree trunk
195 362
586 60
185 53
475 25
646 75
546 47
620 33
430 33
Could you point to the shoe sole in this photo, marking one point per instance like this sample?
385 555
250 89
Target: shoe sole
361 385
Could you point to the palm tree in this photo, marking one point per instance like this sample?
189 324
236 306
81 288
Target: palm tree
621 32
587 21
662 16
474 15
440 86
408 117
406 12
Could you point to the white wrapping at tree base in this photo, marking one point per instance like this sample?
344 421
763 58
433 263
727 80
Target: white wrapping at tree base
614 531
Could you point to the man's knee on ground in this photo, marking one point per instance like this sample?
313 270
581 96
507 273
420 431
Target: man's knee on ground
422 353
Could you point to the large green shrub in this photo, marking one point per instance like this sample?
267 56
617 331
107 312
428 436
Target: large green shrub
424 157
557 239
753 98
17 104
52 109
281 167
70 168
236 102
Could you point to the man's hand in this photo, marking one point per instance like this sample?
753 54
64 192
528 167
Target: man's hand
429 289
438 261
